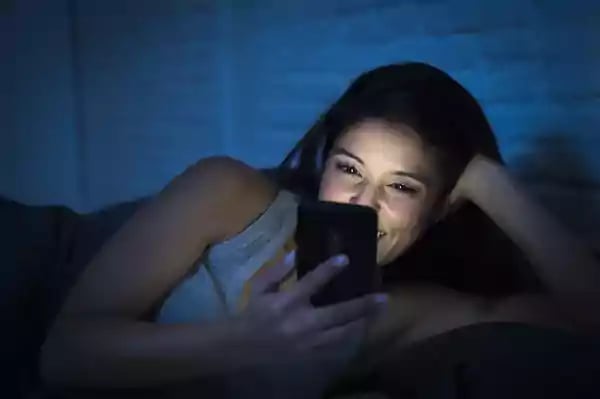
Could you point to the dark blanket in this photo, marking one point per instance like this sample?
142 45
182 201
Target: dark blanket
42 251
494 360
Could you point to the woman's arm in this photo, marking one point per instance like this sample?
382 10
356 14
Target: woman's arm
98 338
416 312
568 270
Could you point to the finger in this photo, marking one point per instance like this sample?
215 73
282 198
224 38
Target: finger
271 278
308 285
349 311
337 334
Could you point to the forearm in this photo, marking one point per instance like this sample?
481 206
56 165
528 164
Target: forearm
383 332
126 354
565 266
399 317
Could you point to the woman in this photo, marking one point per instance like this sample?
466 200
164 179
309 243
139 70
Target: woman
187 290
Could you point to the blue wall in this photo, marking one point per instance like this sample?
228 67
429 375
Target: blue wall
38 139
107 100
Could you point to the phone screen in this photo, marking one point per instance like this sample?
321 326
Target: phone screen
326 229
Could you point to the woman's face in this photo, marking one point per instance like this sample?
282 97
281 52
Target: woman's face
389 169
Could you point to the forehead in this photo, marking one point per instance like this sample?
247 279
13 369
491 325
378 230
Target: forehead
380 144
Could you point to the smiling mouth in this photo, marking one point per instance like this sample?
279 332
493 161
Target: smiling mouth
380 234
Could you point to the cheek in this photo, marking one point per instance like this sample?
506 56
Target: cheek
404 214
406 221
332 189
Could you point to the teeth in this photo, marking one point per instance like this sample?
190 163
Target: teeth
380 234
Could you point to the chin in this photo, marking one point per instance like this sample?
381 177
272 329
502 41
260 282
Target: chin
382 253
385 260
383 257
387 252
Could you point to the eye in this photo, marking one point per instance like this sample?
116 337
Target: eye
403 188
347 168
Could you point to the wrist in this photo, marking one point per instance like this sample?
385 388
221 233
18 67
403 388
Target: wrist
223 345
487 181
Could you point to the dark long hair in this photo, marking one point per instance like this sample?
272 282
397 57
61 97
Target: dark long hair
465 251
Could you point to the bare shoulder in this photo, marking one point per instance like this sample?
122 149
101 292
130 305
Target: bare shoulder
222 167
233 191
211 200
222 176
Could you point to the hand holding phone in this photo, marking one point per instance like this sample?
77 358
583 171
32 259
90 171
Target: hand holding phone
326 229
283 325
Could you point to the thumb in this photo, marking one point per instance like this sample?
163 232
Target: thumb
269 280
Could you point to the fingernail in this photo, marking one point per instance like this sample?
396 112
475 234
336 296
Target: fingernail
340 260
290 258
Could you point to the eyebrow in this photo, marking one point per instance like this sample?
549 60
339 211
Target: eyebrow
416 176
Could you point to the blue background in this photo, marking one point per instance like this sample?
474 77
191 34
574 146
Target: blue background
105 101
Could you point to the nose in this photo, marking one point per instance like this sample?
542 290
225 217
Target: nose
366 197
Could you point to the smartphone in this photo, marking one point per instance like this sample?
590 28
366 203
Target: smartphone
326 229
